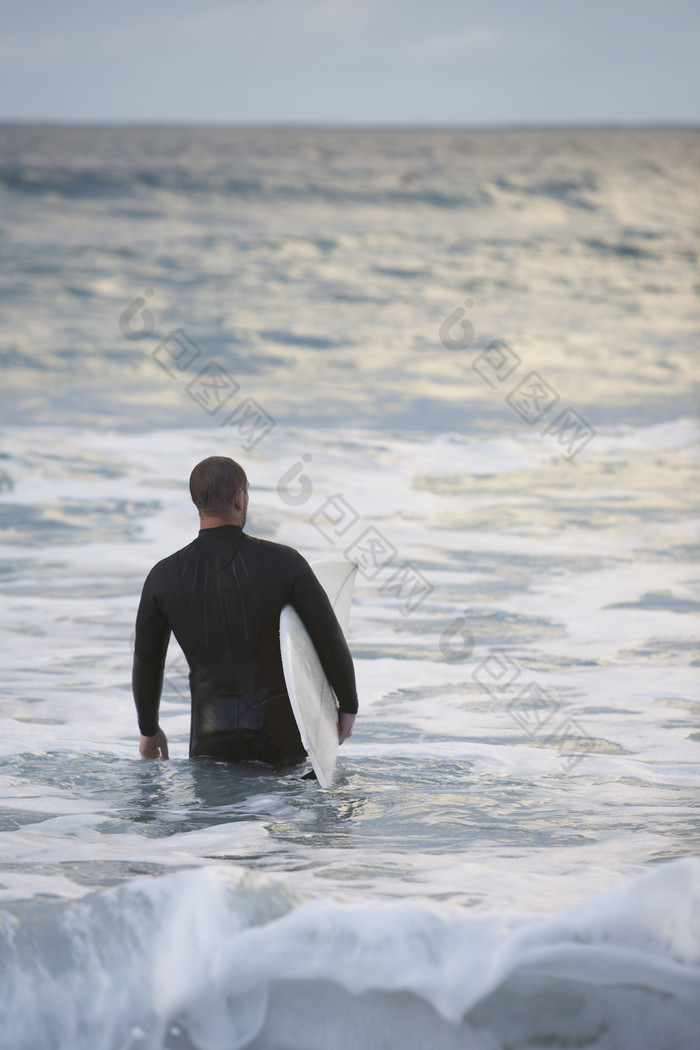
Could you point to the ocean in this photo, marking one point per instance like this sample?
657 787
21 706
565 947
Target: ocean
466 360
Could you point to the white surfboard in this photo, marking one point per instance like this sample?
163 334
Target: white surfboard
312 699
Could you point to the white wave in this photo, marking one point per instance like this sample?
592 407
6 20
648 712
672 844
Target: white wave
220 959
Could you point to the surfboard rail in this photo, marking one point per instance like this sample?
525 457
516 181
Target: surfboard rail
311 697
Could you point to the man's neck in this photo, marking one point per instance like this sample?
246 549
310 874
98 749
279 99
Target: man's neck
215 523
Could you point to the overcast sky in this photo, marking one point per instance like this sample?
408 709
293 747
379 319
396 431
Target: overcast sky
472 62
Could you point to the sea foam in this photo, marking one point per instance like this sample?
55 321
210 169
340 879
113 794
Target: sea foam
221 958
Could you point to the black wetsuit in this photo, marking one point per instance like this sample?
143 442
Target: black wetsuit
221 596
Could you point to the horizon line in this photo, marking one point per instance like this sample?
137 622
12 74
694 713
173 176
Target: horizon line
523 125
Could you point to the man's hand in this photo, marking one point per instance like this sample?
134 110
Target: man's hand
154 746
345 724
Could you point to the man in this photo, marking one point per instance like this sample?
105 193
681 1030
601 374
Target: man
221 596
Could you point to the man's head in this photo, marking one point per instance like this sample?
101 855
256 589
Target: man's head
219 490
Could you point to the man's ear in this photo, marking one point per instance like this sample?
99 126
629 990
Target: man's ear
238 499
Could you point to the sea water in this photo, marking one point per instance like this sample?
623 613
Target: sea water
467 361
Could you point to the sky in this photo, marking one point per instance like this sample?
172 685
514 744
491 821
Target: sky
366 62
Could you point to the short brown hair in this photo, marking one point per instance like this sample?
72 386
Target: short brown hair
214 483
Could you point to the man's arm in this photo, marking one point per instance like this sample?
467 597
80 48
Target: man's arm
150 649
312 603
